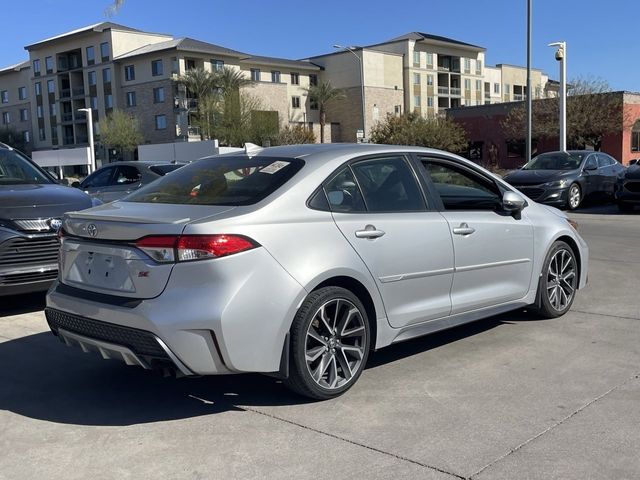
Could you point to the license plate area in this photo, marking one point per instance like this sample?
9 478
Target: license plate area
103 271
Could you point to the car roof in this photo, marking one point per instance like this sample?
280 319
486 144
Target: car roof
143 163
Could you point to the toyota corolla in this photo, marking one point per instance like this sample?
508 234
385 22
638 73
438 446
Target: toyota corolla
298 261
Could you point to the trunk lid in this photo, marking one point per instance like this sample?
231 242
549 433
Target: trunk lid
99 253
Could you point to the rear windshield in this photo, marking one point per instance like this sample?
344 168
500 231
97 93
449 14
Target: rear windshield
555 161
165 168
220 181
15 169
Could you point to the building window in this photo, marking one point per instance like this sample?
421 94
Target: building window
48 64
22 93
478 67
496 88
106 75
478 85
538 91
129 73
416 100
4 96
54 135
131 99
313 105
507 89
430 80
36 67
91 55
295 102
26 136
108 101
416 59
158 95
93 102
6 118
41 135
255 74
467 65
38 88
295 78
156 68
635 137
51 86
39 111
52 110
104 51
430 102
161 122
275 76
24 114
217 65
91 76
313 79
467 84
416 79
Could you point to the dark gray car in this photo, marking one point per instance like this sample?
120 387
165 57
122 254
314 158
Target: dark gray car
564 179
31 206
116 180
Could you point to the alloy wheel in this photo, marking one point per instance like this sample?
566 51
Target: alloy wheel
335 344
561 279
574 197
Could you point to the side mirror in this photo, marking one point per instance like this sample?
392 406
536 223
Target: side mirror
76 184
513 202
591 166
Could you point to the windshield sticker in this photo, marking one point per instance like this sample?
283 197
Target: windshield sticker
274 167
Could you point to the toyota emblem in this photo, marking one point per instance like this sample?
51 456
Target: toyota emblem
55 224
92 230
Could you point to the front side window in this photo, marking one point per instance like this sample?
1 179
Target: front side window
126 175
217 65
238 180
158 95
156 68
48 64
4 96
100 178
388 185
108 101
462 189
430 80
295 78
313 79
24 115
416 79
429 60
416 59
51 86
92 78
131 99
36 67
106 75
496 88
295 102
38 88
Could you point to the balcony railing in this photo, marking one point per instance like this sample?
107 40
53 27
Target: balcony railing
77 91
66 117
81 116
65 93
443 90
455 91
193 131
487 95
517 97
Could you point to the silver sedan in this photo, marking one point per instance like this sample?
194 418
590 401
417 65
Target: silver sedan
298 261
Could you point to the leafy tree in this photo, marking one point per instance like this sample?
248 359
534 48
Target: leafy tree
200 84
295 135
120 131
323 94
413 129
14 139
593 111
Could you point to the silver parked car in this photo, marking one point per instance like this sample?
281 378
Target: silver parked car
300 260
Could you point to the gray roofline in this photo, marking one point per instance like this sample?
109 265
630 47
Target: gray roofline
276 61
340 52
437 39
16 67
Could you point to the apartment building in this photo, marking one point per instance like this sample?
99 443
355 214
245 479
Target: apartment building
106 66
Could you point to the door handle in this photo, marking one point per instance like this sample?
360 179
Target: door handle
463 229
369 232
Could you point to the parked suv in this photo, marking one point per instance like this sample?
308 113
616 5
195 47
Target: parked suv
31 209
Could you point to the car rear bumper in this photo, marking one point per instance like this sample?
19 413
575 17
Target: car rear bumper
627 197
217 316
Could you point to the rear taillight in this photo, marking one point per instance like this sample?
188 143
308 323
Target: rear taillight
184 248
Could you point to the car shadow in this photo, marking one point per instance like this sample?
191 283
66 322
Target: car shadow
42 379
19 304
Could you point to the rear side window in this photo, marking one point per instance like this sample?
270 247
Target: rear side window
461 189
235 180
165 168
343 193
126 175
388 185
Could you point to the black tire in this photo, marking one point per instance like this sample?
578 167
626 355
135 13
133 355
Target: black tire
334 300
573 190
625 207
548 304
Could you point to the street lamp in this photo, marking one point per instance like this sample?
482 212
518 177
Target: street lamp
561 56
529 92
92 148
352 50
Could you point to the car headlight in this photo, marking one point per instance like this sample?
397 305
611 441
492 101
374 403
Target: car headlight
557 183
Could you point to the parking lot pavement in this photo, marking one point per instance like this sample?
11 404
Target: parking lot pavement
507 397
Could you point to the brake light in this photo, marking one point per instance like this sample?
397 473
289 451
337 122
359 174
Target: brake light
184 248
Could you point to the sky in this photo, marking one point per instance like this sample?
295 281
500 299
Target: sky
602 37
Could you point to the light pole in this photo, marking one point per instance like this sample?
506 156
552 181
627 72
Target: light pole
351 49
529 93
92 148
561 56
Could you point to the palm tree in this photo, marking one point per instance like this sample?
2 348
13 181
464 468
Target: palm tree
321 95
200 84
231 79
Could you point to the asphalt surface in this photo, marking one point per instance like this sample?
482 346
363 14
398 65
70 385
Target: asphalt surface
509 397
